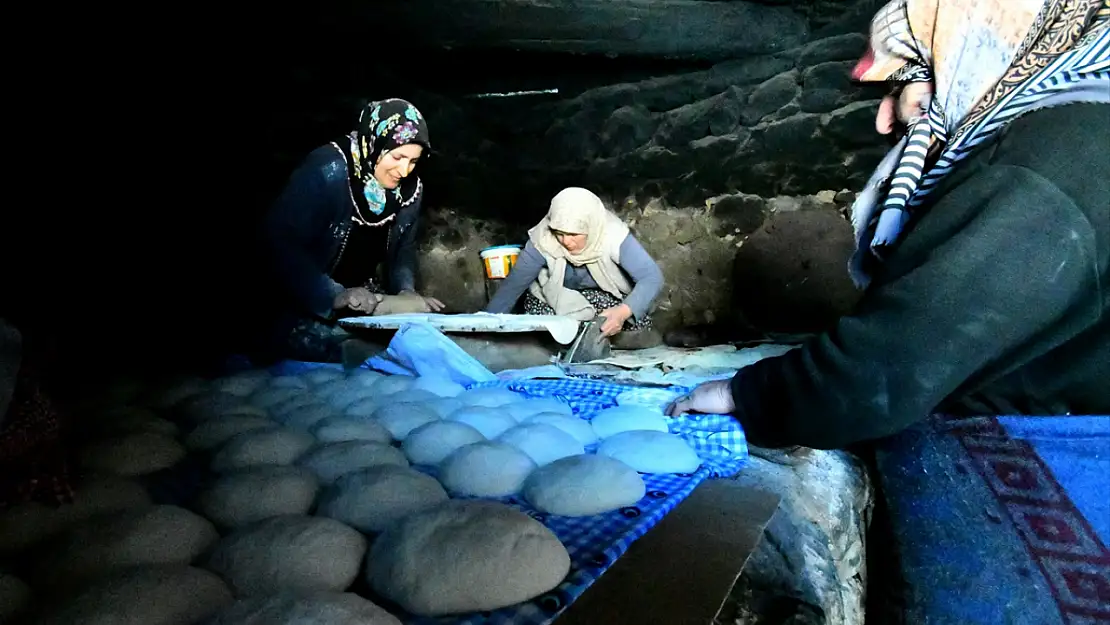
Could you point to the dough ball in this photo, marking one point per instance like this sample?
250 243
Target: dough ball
28 524
317 608
161 594
325 390
346 395
651 452
207 405
522 410
15 598
583 485
242 497
371 499
412 396
297 554
490 397
269 396
627 418
430 443
439 386
338 429
402 418
362 408
323 375
444 406
215 432
152 535
280 446
244 383
131 420
288 381
334 459
465 556
364 378
543 443
491 422
280 411
485 469
134 454
177 392
579 428
306 416
390 384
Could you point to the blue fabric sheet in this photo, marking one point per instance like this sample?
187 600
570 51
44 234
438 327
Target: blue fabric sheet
1001 520
594 543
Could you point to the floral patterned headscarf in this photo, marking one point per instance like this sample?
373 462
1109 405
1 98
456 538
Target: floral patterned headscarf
384 125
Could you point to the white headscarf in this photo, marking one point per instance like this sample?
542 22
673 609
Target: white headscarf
578 211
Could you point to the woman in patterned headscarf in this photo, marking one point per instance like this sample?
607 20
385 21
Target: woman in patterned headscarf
984 248
351 207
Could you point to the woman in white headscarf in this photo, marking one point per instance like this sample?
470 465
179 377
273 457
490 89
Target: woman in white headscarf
581 261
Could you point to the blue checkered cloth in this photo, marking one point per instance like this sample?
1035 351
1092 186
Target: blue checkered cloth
595 542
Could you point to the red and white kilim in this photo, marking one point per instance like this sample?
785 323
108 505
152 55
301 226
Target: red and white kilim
1074 562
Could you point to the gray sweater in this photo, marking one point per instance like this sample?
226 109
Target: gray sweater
636 264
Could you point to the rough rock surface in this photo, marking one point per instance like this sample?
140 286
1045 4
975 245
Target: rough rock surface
810 568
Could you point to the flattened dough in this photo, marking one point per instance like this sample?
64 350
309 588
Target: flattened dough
317 608
371 499
485 469
465 556
490 397
651 452
522 410
334 459
215 432
339 429
289 554
162 594
577 427
619 419
280 446
583 485
491 422
248 495
441 387
543 443
390 384
402 418
430 443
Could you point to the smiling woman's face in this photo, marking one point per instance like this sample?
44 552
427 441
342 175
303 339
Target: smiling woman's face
396 164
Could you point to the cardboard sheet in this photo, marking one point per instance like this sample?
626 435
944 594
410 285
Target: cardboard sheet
681 572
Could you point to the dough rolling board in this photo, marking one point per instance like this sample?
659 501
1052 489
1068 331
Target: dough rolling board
562 329
500 341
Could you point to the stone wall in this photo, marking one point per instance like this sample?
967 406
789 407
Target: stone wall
739 261
735 176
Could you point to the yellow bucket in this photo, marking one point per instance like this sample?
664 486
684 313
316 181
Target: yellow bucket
499 260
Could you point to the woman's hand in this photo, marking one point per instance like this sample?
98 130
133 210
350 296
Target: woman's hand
434 305
910 104
614 319
359 299
710 398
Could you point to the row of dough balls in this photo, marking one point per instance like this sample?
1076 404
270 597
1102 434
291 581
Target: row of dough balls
218 415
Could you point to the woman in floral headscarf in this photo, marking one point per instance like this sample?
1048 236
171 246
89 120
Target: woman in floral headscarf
351 207
984 248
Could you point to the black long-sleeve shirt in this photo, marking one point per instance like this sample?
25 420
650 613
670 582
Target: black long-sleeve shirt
996 302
